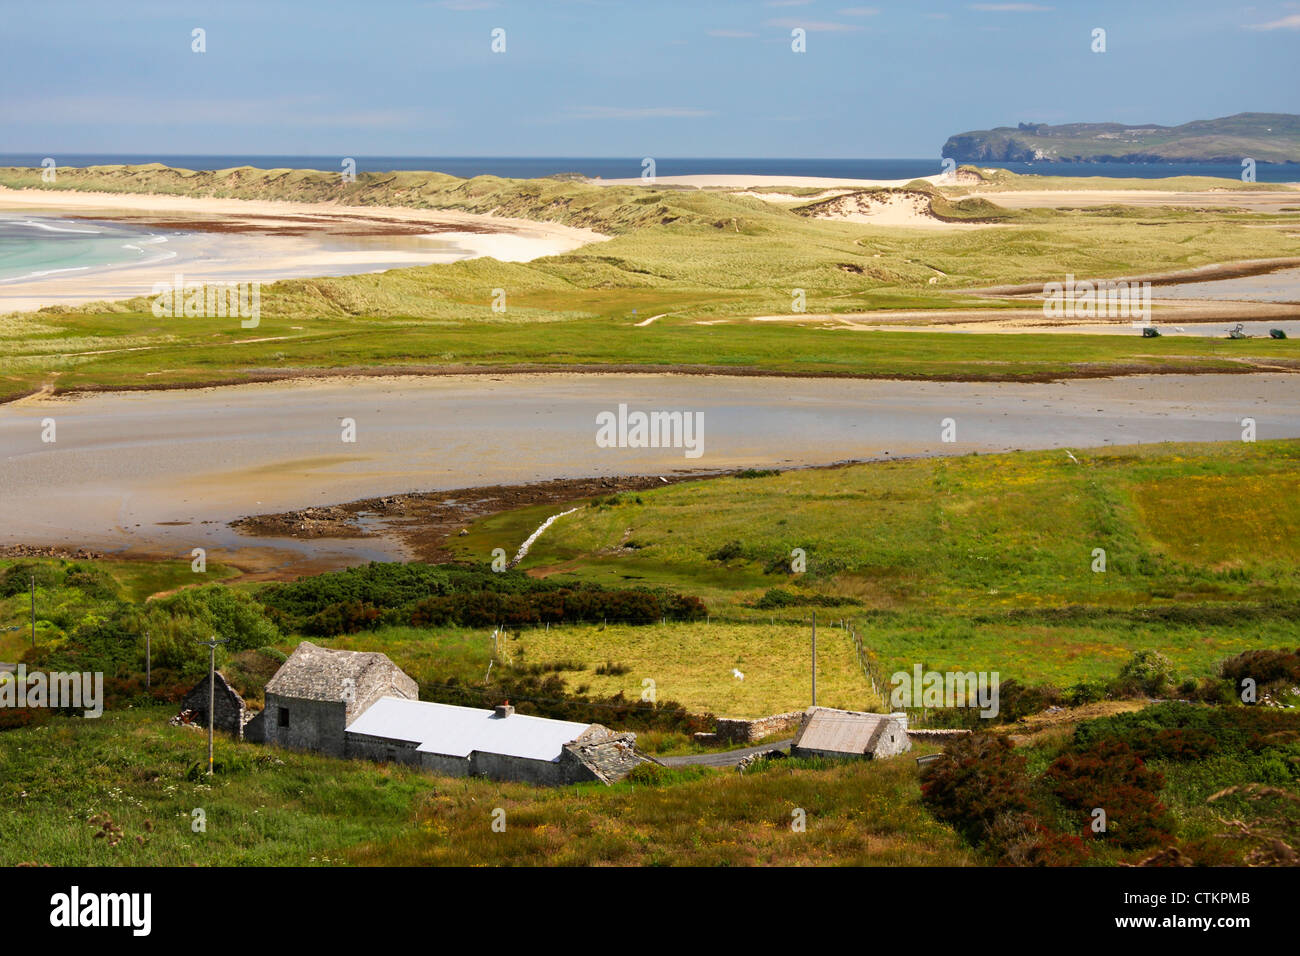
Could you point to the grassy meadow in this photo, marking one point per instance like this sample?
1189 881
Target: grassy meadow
692 256
983 562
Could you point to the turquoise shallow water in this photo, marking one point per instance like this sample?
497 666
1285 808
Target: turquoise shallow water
32 247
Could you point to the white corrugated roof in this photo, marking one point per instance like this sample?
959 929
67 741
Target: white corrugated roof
457 731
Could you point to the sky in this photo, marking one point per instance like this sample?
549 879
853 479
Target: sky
613 78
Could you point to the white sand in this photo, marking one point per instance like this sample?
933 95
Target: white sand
746 181
897 209
256 254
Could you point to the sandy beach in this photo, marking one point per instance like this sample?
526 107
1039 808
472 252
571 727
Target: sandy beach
746 181
246 240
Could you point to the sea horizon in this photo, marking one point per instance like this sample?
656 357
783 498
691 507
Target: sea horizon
615 167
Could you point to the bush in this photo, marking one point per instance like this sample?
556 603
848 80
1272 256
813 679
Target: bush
93 582
1085 692
1234 729
728 552
17 578
1018 839
1110 776
178 622
979 780
1265 667
779 597
1148 672
427 595
1016 700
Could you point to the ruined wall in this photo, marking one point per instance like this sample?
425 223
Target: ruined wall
229 713
600 754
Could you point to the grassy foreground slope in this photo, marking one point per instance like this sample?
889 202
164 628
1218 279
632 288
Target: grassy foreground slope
690 256
137 781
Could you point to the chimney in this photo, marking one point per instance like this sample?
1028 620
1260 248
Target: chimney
502 710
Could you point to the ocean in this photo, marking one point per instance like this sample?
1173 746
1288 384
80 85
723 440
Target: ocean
33 247
521 167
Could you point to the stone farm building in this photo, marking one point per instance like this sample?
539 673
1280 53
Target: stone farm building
826 732
361 704
228 712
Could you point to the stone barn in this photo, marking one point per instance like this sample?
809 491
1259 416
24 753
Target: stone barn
497 743
317 692
826 732
228 710
357 704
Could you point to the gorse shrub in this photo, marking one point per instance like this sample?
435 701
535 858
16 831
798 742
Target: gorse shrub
1148 672
979 780
17 578
357 599
1110 777
1267 668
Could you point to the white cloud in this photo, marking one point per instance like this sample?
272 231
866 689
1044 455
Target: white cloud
645 112
812 26
859 11
1009 8
1291 22
731 33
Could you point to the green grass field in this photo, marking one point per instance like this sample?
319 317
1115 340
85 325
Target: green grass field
975 563
694 256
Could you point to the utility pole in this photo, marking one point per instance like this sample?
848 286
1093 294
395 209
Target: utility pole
148 660
33 610
814 649
212 689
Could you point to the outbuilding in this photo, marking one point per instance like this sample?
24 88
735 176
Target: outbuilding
827 732
361 704
228 711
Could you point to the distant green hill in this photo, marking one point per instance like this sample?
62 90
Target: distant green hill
1264 137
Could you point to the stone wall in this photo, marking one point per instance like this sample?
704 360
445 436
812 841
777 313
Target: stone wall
380 749
938 735
599 754
743 730
313 724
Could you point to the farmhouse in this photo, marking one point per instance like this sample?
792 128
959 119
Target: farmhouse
826 732
361 705
317 692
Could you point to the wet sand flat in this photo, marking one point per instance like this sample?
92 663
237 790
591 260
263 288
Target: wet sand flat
162 472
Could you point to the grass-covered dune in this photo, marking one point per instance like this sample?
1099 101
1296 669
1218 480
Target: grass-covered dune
689 256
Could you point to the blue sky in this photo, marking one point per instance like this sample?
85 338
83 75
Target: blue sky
614 78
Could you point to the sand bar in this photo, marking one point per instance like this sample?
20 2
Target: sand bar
163 472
